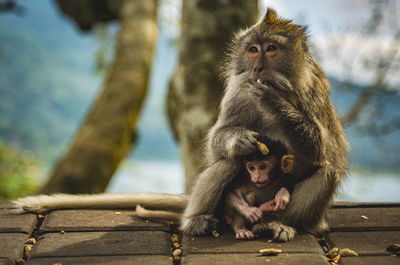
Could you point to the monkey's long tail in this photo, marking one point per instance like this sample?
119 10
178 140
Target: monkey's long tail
154 201
158 214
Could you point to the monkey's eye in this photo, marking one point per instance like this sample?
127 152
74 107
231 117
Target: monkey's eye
271 48
251 168
263 167
253 49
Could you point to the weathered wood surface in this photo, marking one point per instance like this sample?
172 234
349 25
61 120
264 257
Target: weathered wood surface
119 237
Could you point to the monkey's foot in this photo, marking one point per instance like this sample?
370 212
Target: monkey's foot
244 234
259 228
279 231
199 225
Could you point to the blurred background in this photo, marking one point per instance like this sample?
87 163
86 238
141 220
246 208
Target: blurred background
70 69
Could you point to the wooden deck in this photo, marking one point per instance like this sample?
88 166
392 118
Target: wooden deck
118 237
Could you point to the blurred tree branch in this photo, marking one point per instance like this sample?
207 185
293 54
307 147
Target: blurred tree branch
108 132
383 65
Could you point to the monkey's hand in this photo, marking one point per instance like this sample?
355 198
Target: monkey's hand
268 206
258 90
252 214
242 143
281 199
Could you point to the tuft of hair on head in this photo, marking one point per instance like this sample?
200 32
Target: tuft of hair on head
271 17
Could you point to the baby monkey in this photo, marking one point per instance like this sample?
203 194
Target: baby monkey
265 189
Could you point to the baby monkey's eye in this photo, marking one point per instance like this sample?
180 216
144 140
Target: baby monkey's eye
271 48
253 49
263 167
251 168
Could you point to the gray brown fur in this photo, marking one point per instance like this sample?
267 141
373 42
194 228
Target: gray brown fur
291 106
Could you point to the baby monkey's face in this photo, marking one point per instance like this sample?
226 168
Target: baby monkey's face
261 171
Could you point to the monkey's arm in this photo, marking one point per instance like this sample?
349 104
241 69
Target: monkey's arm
295 122
233 134
236 200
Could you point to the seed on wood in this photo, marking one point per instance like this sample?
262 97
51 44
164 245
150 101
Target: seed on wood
27 250
332 253
215 233
30 241
270 251
177 252
174 238
335 259
176 245
346 252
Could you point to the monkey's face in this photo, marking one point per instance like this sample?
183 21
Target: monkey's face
272 51
262 56
261 171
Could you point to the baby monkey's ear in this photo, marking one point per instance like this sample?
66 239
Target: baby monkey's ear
287 163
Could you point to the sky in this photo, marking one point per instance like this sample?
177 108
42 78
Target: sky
336 31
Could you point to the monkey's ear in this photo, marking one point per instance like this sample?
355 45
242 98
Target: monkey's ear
270 17
287 162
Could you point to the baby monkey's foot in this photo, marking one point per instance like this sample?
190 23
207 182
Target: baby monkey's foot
244 234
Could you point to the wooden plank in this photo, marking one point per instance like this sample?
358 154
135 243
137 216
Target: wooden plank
364 243
6 205
344 204
4 261
226 243
111 243
229 259
353 219
11 222
384 260
12 245
103 260
98 220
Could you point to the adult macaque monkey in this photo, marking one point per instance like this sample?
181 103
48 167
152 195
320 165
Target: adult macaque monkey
264 190
276 90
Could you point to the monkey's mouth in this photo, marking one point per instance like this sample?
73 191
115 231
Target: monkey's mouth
261 183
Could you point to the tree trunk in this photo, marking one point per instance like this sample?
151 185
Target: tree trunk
196 89
108 132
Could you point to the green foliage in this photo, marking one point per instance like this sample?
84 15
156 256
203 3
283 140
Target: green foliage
17 174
